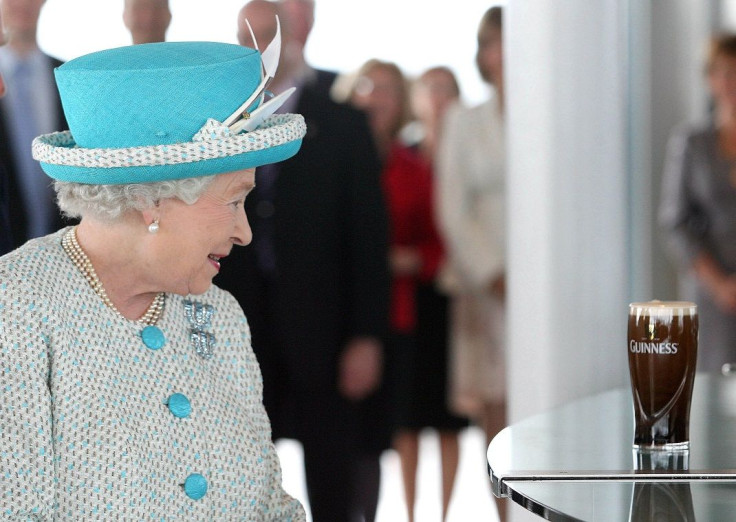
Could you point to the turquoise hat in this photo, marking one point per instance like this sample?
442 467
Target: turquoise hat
164 111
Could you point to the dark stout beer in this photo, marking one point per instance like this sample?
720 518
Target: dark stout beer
672 502
663 349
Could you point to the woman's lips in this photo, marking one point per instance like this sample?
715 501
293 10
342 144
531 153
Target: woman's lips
215 260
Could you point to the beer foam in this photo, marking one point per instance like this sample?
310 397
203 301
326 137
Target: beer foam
658 308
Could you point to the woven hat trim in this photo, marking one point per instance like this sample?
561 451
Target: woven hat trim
154 173
212 141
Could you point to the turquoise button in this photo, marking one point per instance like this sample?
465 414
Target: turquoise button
195 486
153 337
179 405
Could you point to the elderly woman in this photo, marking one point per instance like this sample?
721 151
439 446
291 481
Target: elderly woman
129 388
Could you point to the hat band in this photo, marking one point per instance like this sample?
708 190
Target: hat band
213 140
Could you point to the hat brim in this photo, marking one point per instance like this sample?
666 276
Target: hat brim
279 138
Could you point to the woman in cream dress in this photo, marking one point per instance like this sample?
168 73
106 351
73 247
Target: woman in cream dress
471 202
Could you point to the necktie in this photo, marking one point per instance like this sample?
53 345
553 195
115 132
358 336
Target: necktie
34 185
263 242
265 209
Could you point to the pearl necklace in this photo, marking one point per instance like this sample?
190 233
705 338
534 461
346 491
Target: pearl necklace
82 262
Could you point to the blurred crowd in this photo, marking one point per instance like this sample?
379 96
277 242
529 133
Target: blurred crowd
375 284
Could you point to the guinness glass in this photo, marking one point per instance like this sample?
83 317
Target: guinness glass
663 349
670 502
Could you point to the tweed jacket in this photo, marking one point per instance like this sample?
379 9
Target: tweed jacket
96 425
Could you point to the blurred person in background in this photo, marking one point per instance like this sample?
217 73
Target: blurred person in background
415 393
6 238
380 90
300 14
315 283
471 195
431 95
698 209
31 107
147 20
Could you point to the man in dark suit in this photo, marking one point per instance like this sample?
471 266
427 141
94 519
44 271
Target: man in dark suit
147 20
31 107
314 284
6 240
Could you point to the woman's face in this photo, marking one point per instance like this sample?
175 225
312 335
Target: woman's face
489 57
380 94
432 95
192 239
722 81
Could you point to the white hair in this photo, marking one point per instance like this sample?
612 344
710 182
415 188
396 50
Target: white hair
109 202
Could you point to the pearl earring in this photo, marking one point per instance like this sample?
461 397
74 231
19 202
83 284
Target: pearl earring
153 227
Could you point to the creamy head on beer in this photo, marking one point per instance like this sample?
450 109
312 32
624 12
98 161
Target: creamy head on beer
663 308
658 311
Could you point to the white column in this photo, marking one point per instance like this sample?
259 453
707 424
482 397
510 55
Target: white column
569 262
678 36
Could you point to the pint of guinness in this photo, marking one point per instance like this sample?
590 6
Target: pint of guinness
663 349
671 501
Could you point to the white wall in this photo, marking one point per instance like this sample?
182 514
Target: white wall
568 200
678 36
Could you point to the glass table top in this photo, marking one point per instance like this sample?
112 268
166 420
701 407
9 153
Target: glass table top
579 457
599 501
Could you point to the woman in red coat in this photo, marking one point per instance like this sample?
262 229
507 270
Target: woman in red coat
416 365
